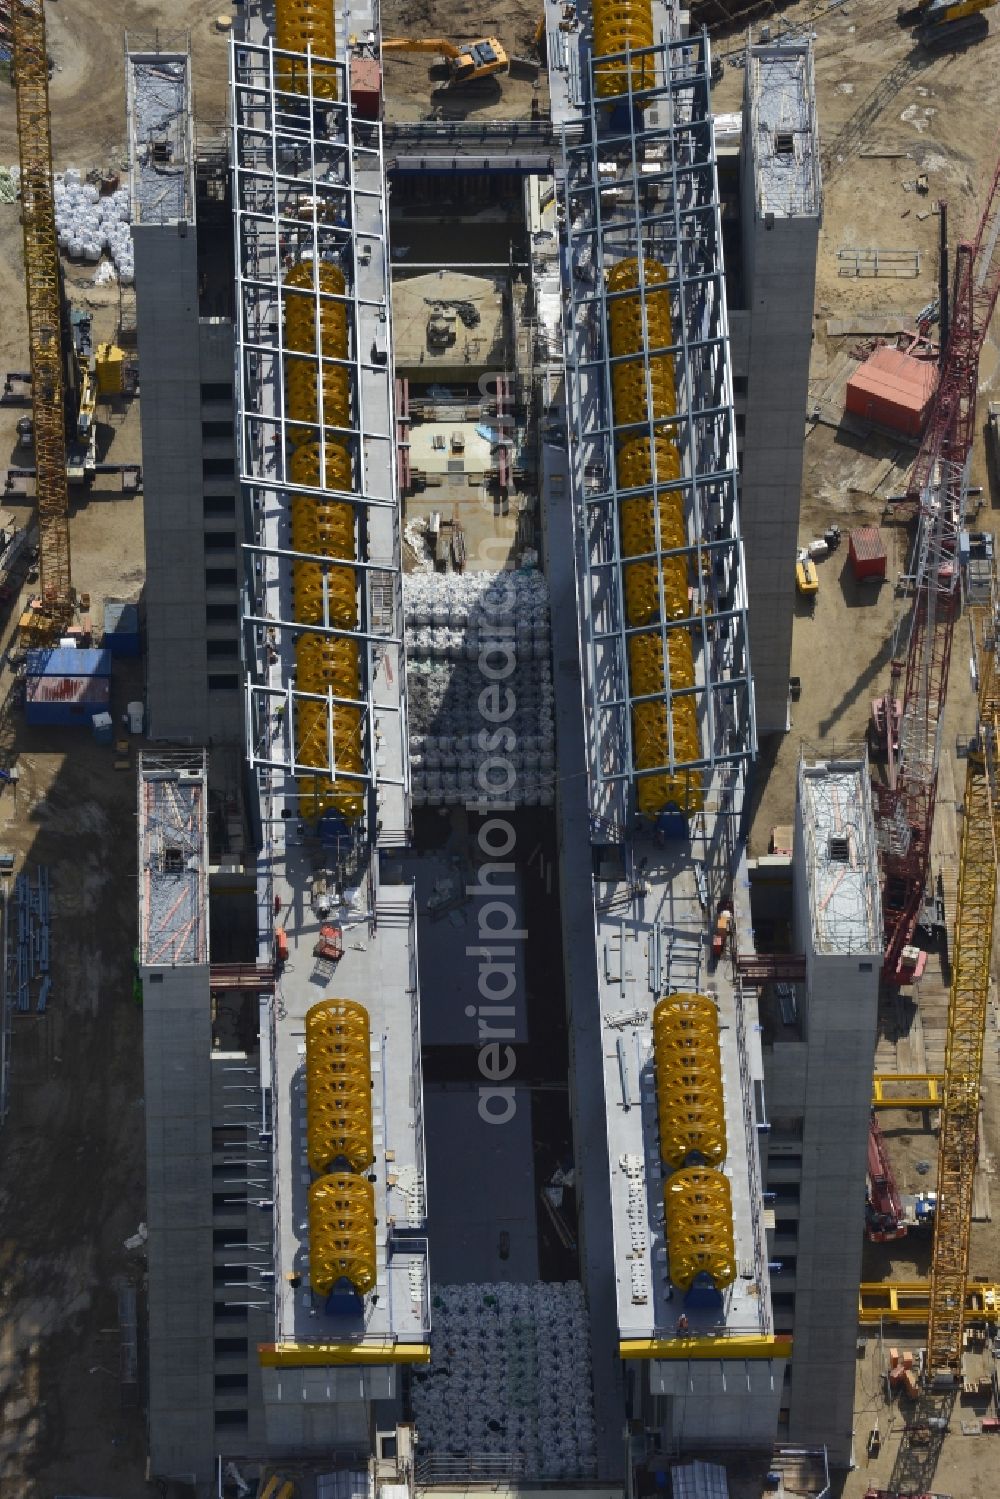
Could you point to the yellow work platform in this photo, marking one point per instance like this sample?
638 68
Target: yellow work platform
708 1346
909 1302
924 1090
313 1355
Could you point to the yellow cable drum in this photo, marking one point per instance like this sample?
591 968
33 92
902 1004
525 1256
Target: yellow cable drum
645 660
627 337
300 311
319 794
643 390
688 1065
638 530
342 1233
338 1085
650 747
619 24
699 1208
625 312
301 384
326 528
299 24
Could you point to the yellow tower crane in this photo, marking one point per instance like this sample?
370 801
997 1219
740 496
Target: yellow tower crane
949 1303
967 1008
41 271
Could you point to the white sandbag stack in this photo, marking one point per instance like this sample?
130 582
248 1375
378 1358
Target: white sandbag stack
88 225
477 652
510 1377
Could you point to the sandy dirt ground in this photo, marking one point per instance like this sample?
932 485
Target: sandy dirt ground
414 83
921 115
72 1147
71 1152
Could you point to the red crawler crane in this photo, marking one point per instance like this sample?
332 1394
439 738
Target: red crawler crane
938 485
884 1216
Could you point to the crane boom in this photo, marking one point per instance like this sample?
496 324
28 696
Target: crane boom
967 1008
939 481
436 44
41 270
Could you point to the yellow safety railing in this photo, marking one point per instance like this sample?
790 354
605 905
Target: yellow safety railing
324 527
688 1066
342 1233
621 24
699 1210
338 1085
921 1090
909 1301
365 1351
643 389
707 1345
298 25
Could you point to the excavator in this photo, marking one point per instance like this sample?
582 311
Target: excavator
466 64
945 23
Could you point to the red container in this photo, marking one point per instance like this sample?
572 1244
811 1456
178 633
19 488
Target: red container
366 87
893 390
867 553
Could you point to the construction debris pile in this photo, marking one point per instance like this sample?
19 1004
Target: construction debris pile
479 687
497 1384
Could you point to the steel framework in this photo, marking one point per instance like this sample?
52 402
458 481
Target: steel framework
308 185
967 1007
651 191
41 269
938 483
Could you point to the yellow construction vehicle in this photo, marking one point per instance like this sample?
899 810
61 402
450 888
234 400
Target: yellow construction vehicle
806 577
467 64
939 23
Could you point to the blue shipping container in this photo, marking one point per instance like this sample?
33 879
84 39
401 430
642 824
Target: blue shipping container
61 715
121 629
64 661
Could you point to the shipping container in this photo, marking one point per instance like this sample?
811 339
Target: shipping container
64 662
867 553
893 390
66 700
366 87
121 629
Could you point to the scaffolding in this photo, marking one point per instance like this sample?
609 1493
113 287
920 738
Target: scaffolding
315 434
173 859
645 191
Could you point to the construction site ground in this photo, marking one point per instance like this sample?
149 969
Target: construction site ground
889 113
71 1149
415 83
72 1154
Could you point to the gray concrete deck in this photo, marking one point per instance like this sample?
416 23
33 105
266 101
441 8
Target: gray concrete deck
653 941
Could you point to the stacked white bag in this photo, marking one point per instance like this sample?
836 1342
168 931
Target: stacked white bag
509 1379
88 225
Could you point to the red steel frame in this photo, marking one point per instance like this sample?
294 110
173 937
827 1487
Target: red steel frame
937 483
